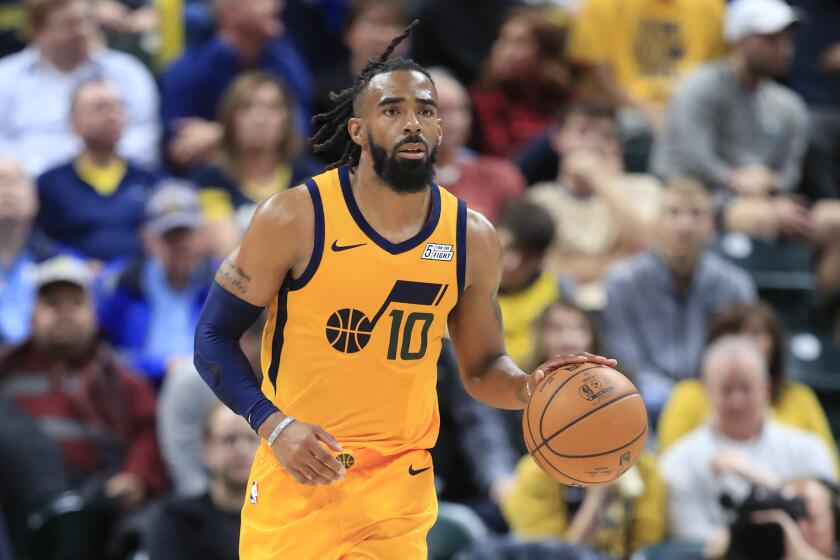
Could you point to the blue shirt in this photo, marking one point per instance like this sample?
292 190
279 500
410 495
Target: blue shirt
194 84
17 297
101 227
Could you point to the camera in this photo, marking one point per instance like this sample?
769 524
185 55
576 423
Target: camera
759 541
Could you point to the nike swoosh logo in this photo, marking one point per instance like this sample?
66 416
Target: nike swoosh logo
338 248
413 472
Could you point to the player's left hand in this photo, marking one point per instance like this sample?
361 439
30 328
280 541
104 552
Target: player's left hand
557 362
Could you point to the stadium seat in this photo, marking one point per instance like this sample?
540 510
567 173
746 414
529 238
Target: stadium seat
508 549
783 272
457 528
671 551
814 359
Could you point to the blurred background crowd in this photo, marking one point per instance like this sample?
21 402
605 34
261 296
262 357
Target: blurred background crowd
664 176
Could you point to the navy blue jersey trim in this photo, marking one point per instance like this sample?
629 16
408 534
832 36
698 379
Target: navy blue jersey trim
461 245
373 235
318 245
277 340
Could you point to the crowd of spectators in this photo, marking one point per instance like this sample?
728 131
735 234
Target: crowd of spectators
650 167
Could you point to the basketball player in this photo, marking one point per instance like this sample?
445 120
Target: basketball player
362 269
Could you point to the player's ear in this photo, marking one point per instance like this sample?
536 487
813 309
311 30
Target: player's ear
440 132
355 127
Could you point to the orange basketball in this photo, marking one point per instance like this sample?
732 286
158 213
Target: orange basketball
585 424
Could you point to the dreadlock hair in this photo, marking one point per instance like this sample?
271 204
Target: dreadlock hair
332 126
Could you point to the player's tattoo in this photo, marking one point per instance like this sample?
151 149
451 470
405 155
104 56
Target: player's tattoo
497 310
234 276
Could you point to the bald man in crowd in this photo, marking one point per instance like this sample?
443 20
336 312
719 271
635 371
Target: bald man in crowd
740 447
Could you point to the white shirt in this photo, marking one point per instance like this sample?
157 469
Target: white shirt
35 100
694 509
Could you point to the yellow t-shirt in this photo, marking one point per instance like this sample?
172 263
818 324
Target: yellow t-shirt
649 43
520 312
688 407
537 508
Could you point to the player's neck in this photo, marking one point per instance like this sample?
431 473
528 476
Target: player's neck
395 216
97 158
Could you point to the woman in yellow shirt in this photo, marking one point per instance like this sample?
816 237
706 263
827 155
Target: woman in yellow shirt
792 403
619 518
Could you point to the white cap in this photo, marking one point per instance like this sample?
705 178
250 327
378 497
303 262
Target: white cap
63 268
756 17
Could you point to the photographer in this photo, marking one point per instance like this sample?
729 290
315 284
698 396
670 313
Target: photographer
739 449
805 522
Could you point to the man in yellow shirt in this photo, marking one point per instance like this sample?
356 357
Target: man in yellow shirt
638 50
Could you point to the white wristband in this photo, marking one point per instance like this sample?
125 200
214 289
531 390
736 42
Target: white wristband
284 423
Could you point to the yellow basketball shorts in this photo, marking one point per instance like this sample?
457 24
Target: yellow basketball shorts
381 510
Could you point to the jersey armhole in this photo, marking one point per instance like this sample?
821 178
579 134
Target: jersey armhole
318 244
461 245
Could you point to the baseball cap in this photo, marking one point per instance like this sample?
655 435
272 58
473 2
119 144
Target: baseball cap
173 204
63 268
761 17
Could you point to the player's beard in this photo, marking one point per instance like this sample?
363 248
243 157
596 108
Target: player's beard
404 176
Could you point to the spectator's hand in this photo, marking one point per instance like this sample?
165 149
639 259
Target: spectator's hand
831 58
718 545
194 141
796 548
144 20
501 487
794 218
731 461
752 180
654 116
557 362
127 489
299 450
114 16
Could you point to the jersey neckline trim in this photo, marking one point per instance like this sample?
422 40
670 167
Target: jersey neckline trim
372 234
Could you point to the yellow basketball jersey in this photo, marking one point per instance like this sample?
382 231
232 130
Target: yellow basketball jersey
353 344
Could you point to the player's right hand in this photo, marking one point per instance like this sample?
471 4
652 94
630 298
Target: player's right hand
299 450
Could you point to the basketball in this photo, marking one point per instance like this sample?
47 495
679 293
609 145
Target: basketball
585 424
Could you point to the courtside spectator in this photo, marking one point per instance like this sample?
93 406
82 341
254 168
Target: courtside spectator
526 81
486 183
94 203
261 153
601 213
101 416
150 306
617 518
249 37
740 447
21 248
638 51
37 85
659 303
791 403
206 527
730 124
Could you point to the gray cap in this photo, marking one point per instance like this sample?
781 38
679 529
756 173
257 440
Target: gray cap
173 204
757 17
63 268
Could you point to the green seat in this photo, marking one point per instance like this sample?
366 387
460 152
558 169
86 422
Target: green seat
814 359
456 529
783 272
